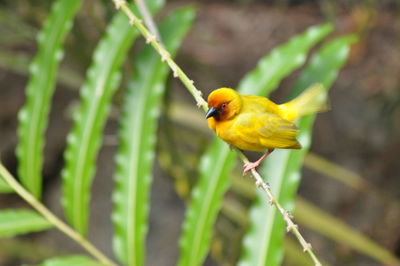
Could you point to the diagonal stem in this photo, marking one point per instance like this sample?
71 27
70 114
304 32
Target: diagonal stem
48 215
178 73
148 19
165 56
290 225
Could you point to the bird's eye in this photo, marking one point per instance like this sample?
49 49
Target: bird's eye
223 105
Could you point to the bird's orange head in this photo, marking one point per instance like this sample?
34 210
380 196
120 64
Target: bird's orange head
223 104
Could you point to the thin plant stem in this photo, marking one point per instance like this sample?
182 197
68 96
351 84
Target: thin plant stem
165 56
290 225
148 19
49 216
178 73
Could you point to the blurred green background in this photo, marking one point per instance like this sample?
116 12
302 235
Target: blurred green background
352 172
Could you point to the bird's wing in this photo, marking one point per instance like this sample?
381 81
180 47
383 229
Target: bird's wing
258 104
267 129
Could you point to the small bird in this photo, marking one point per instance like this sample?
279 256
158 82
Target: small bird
256 123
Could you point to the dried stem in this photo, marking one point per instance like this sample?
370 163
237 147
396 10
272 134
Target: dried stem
148 19
48 215
178 73
165 56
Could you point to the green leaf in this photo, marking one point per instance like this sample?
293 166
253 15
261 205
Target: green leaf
76 260
33 116
282 61
325 64
137 137
15 222
262 244
4 187
218 160
84 140
206 202
335 229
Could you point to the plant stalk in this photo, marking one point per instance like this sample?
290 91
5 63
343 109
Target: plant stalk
290 225
165 56
49 216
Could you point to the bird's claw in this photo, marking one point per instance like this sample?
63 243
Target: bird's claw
248 166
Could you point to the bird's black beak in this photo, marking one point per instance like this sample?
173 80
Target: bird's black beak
211 112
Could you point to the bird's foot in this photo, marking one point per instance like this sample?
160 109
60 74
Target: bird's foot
248 166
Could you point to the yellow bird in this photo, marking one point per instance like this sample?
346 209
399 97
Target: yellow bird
255 123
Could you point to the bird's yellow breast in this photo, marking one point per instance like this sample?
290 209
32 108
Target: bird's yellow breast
227 132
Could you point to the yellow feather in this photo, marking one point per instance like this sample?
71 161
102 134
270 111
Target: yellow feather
255 123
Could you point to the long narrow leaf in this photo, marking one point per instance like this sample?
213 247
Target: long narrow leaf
137 136
262 244
75 260
218 161
39 91
16 222
4 187
282 61
84 140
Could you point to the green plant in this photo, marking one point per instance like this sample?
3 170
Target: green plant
218 161
84 140
266 226
137 136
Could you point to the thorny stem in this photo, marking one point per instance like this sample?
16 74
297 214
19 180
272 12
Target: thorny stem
148 19
165 56
290 225
48 215
178 73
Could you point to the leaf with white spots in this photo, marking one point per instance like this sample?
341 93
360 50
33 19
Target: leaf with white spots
263 243
137 136
33 116
83 142
75 260
218 160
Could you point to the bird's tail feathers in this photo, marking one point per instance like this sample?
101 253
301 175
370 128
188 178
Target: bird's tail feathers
312 100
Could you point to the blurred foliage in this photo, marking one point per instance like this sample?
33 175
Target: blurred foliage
25 250
83 142
33 116
17 222
70 260
218 161
180 124
336 230
137 137
283 167
235 208
4 187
